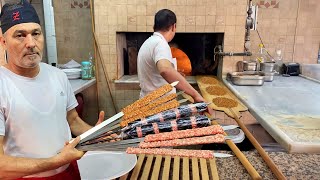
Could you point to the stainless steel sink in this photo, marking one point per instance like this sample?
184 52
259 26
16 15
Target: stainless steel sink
311 71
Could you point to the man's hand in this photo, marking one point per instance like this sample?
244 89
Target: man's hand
69 153
77 125
201 99
167 71
101 117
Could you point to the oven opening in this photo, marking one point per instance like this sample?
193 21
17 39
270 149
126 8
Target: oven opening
199 48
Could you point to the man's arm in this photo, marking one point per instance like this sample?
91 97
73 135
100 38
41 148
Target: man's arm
16 167
167 71
77 125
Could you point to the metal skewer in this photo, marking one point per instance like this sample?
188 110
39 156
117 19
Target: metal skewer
123 144
100 132
97 130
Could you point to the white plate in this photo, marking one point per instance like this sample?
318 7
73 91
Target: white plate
72 71
105 165
74 77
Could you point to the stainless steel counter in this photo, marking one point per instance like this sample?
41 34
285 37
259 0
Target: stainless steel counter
79 85
288 108
133 79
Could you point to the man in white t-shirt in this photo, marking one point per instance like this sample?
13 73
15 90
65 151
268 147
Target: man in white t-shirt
37 105
155 62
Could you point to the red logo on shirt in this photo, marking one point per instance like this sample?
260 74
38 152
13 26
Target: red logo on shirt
16 16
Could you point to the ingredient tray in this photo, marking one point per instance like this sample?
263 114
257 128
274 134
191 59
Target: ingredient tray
247 78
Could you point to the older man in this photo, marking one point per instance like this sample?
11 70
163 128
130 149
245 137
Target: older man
37 105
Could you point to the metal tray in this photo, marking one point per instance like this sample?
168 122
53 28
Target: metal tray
247 78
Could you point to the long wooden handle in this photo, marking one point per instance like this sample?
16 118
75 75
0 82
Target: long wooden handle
260 150
95 56
251 170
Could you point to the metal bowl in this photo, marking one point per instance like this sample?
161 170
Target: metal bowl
267 67
249 66
268 76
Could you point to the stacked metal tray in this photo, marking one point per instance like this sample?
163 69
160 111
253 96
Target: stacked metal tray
247 78
268 76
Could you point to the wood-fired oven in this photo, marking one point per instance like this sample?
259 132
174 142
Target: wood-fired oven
199 47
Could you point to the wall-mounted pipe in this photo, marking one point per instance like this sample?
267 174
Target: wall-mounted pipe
221 53
234 54
249 25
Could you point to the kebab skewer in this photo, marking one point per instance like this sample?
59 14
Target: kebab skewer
168 126
98 130
182 139
207 154
153 128
181 111
149 98
153 104
218 138
204 131
169 105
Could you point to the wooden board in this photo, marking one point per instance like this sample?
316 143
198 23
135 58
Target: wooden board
163 167
209 97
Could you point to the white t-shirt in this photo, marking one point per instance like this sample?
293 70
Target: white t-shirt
152 50
33 114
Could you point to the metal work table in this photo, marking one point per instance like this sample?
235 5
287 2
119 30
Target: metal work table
133 79
288 108
79 85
